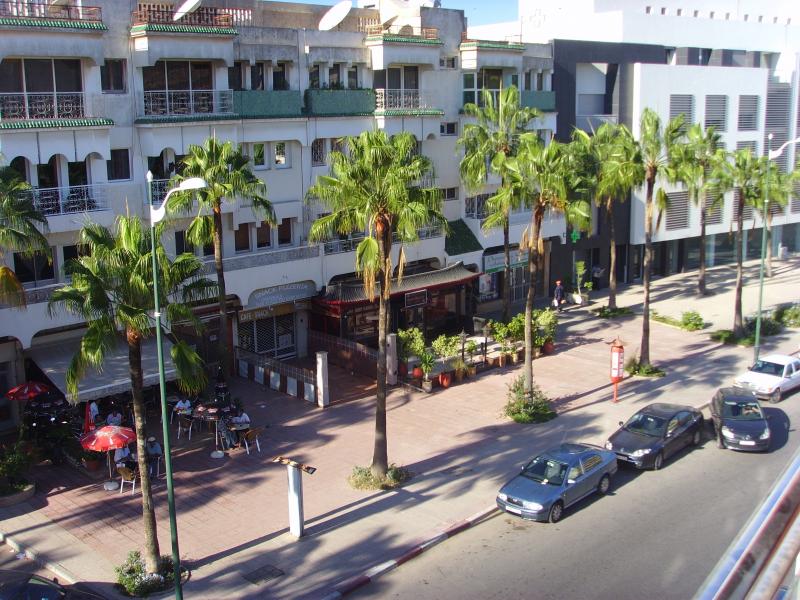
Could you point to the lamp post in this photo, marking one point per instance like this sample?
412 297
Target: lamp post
156 215
771 154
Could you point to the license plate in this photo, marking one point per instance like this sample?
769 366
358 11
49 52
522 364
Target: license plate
511 509
747 443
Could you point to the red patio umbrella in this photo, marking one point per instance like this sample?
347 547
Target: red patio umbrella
28 391
107 438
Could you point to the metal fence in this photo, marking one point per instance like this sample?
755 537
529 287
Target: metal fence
51 11
276 366
50 105
168 103
347 354
72 199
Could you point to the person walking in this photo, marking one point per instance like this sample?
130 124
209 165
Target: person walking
558 295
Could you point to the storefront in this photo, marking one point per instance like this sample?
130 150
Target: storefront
437 301
490 283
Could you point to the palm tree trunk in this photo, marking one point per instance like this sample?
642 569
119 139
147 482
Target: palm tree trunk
152 555
222 342
644 347
506 273
533 271
612 262
701 274
738 323
380 453
768 224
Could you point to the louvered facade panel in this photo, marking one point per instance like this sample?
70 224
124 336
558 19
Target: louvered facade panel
682 104
714 212
717 112
677 211
776 210
747 214
778 139
748 113
751 144
794 205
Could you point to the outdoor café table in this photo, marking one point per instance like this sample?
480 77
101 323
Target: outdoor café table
210 412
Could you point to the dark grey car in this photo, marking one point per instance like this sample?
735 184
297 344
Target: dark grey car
556 479
739 422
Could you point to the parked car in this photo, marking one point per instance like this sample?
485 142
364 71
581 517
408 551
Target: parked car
19 585
771 377
739 422
655 433
556 479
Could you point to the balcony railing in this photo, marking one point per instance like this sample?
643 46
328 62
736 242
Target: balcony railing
406 31
349 244
202 17
21 9
268 257
66 200
173 103
159 188
51 105
402 100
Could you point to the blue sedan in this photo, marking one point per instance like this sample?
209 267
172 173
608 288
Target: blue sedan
556 479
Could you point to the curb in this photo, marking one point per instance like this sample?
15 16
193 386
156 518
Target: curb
56 569
353 583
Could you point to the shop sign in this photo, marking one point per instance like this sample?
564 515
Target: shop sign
418 298
281 294
496 262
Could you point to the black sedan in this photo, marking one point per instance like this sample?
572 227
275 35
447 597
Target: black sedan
19 585
739 422
655 433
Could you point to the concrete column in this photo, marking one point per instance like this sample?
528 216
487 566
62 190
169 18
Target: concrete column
323 394
301 333
295 500
391 359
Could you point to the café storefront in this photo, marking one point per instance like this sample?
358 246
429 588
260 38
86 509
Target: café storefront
436 301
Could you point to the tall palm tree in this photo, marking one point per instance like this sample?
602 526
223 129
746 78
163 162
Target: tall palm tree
780 190
229 177
372 189
488 143
656 146
613 165
693 161
21 230
112 290
539 178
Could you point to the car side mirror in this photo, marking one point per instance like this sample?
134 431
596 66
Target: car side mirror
570 481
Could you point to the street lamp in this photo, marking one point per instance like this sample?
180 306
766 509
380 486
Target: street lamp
771 154
156 215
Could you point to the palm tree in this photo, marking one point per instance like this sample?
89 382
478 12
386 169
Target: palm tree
614 168
21 227
538 177
693 161
656 146
112 290
488 143
227 172
780 190
372 189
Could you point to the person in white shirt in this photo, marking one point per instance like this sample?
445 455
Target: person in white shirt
183 405
115 418
93 410
124 458
241 418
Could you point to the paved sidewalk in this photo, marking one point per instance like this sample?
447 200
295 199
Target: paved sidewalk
233 513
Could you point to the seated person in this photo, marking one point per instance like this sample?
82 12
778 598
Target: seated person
154 453
124 458
241 418
94 412
229 439
115 417
183 405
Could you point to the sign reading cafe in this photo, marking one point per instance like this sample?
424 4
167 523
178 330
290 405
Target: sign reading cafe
262 300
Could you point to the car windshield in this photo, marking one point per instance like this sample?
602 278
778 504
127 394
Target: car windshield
545 470
742 411
768 368
646 424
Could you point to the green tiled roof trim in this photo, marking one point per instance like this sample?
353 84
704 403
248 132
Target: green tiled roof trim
55 23
347 114
402 39
485 45
186 118
410 112
164 28
52 123
460 239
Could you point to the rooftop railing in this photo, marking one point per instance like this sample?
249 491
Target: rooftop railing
425 33
203 17
48 105
22 9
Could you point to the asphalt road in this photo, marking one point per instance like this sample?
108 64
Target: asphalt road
656 535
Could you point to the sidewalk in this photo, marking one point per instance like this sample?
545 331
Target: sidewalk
232 514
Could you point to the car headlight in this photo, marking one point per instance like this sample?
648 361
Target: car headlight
531 505
765 389
609 445
727 433
764 435
502 497
641 452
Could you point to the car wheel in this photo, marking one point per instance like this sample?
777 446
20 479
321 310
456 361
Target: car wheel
696 438
604 485
776 396
556 511
658 462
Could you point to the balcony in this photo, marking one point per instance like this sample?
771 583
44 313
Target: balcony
396 45
50 105
186 105
404 102
544 101
19 13
205 20
261 259
404 34
321 102
68 200
258 104
350 243
590 123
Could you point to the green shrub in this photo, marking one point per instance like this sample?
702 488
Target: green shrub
606 313
362 478
692 321
788 316
634 367
769 326
14 463
132 577
411 343
527 408
446 346
725 336
516 328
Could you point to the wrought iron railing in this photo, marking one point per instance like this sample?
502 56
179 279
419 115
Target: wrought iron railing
159 191
22 9
426 33
72 199
387 99
50 105
203 16
168 103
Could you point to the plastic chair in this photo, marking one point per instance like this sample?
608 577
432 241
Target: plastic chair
127 476
185 424
252 436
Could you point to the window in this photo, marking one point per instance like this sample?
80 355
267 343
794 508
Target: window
574 473
677 211
450 193
352 77
334 77
448 62
208 249
280 81
313 77
112 76
236 76
263 235
257 76
717 112
75 251
748 113
449 128
280 157
259 159
118 167
591 462
318 152
528 80
242 238
539 81
682 104
515 80
468 80
182 244
36 268
285 232
337 145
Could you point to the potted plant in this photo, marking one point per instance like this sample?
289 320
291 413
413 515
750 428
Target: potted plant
546 324
516 334
579 296
426 363
459 367
471 347
500 335
411 343
446 347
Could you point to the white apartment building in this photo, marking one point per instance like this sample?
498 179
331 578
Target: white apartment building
92 97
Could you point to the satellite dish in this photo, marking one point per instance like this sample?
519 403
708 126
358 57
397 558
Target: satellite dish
334 16
185 9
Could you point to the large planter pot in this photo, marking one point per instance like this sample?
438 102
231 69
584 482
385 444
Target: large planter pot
577 298
445 379
20 496
459 375
549 347
427 385
472 370
417 373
